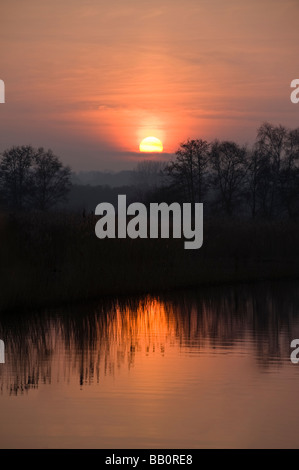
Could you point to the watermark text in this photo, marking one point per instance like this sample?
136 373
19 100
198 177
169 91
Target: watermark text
2 352
186 220
295 354
295 93
2 91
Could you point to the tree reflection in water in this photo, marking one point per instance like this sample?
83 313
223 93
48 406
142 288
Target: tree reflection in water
89 341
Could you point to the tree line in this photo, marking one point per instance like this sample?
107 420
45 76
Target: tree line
261 181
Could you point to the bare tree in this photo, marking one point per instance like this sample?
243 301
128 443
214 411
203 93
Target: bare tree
50 180
257 186
15 165
33 178
229 165
289 175
189 170
270 150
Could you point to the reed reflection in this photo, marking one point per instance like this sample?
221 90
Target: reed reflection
85 344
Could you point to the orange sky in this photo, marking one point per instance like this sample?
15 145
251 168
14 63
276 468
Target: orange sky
91 78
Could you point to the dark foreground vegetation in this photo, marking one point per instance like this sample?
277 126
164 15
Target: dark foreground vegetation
49 259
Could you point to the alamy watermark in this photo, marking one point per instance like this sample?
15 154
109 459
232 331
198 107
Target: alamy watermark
295 353
2 92
159 221
295 93
2 352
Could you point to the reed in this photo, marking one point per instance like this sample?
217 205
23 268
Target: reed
55 258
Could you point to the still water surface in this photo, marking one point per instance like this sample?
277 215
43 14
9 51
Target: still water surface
204 369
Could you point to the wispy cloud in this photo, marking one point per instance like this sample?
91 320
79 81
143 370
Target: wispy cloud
112 71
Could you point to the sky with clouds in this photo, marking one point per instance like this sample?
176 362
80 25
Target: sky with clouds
91 78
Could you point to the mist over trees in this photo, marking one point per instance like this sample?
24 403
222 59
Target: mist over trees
232 180
149 174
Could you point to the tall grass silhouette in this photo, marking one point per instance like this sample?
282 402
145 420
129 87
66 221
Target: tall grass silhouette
53 258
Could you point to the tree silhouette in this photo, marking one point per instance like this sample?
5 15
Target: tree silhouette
189 170
15 167
32 178
272 176
270 148
229 166
50 180
289 175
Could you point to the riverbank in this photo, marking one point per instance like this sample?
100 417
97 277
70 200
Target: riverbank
50 259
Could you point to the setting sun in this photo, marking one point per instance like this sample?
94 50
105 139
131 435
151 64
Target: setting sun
151 144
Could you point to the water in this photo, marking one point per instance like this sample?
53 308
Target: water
204 369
